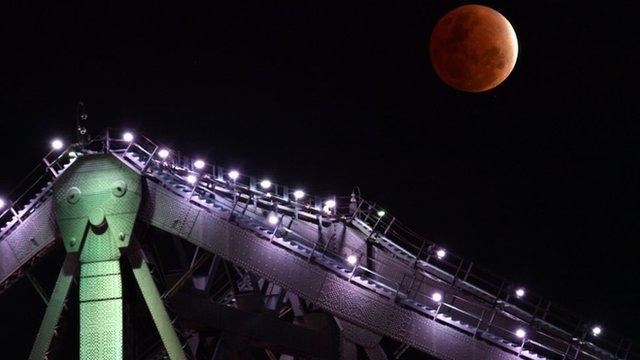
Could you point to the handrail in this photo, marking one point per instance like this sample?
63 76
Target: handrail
371 219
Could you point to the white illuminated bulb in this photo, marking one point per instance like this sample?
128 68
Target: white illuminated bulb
57 144
441 253
2 203
298 194
437 297
330 203
352 259
273 219
234 175
520 292
191 179
381 213
521 333
265 184
597 330
199 164
163 153
128 137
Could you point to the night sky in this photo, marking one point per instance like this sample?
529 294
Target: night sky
537 179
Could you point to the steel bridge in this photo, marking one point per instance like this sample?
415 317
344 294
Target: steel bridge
230 266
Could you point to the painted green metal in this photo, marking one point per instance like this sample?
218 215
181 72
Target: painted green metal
96 203
54 309
155 305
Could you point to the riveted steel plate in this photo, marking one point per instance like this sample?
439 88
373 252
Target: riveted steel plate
34 234
101 329
253 251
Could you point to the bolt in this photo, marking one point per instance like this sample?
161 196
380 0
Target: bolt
72 242
121 236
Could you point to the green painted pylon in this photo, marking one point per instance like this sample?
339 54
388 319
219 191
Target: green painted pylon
96 203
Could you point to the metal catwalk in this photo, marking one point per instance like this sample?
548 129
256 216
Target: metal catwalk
228 266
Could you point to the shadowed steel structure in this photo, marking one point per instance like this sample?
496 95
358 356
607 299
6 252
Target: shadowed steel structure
227 264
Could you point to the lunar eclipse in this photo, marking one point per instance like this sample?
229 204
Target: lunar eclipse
473 48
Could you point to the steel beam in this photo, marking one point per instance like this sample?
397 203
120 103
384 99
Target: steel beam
37 287
252 250
54 309
154 303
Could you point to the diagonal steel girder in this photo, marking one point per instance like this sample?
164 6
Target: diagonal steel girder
252 250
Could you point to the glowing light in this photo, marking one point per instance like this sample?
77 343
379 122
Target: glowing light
265 184
128 137
234 175
352 259
163 153
273 219
57 144
441 253
520 292
381 213
330 203
199 164
596 330
2 203
191 179
73 154
437 297
521 333
298 194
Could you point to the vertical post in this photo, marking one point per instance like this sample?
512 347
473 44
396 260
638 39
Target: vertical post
107 141
524 340
15 213
398 284
50 167
546 310
493 317
355 267
475 332
315 245
466 275
101 309
435 316
455 277
148 162
389 226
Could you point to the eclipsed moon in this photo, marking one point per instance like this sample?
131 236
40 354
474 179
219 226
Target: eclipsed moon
473 48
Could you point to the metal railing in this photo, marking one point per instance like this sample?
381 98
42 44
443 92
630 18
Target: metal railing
545 321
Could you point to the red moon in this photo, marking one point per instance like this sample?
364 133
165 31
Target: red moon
473 48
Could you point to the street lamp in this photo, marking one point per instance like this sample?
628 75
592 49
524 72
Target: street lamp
163 153
198 164
265 184
57 144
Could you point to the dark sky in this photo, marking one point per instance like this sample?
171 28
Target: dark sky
537 179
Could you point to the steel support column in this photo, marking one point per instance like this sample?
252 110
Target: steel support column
154 303
54 309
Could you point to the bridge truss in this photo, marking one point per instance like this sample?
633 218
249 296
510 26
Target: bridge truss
230 268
